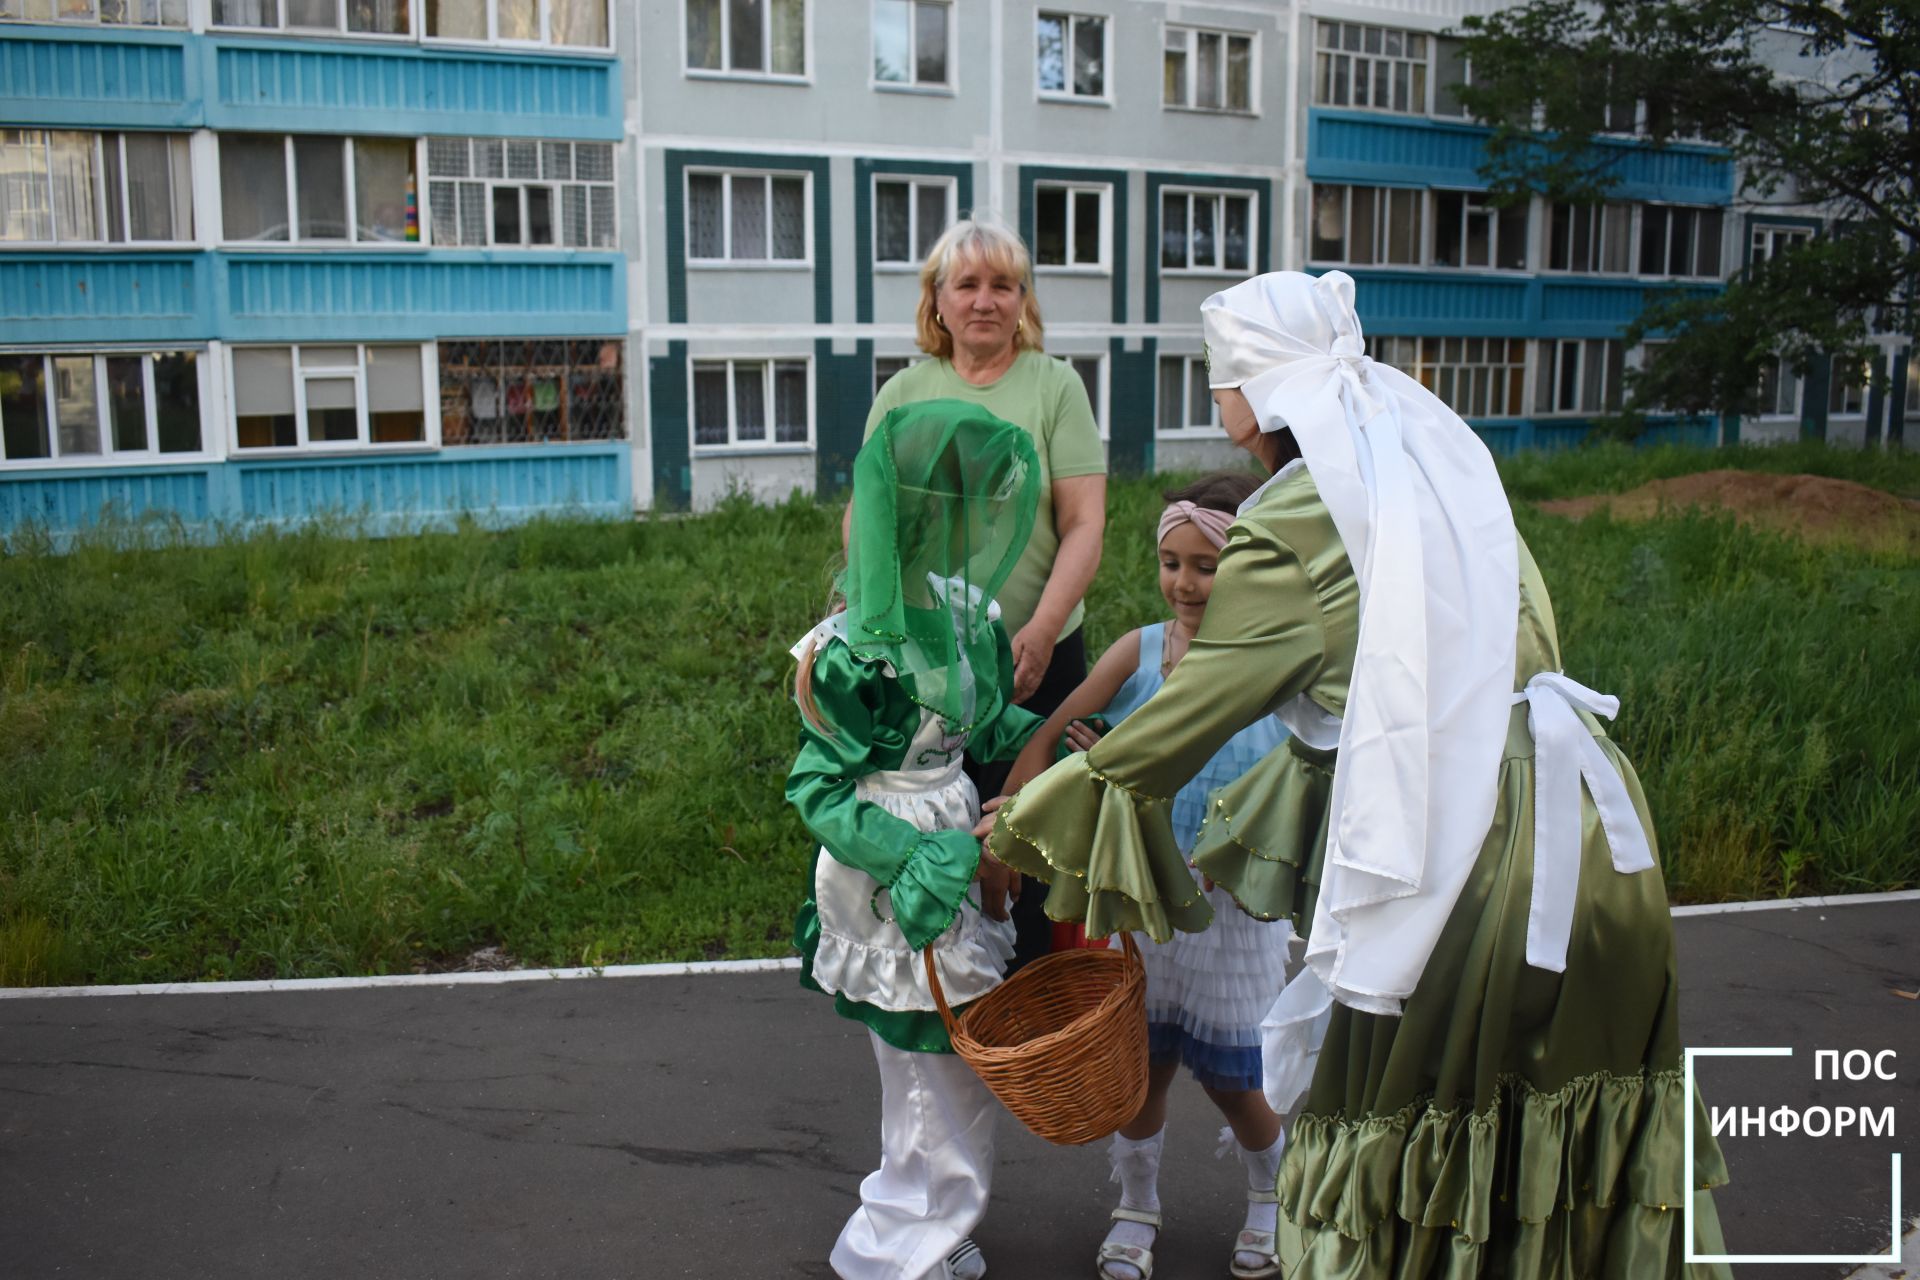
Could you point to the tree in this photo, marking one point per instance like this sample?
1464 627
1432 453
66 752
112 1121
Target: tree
1815 101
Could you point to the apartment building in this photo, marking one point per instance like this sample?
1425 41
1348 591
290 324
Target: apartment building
264 259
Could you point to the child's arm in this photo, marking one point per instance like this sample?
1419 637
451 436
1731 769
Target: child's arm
1116 665
926 872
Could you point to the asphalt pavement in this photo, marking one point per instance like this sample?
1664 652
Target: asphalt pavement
719 1125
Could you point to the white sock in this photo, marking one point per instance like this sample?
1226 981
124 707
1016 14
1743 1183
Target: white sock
1263 1170
966 1262
1136 1167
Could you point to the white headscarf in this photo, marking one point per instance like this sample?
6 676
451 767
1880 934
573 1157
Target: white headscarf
1427 526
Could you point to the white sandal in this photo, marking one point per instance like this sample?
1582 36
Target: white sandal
1260 1242
1139 1257
966 1262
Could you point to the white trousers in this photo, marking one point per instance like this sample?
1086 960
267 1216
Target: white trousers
936 1167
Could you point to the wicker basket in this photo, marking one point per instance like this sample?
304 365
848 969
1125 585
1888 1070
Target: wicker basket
1063 1043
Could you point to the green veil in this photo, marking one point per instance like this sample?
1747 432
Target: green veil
944 495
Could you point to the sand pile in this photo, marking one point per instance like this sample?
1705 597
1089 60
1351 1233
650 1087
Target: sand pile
1813 507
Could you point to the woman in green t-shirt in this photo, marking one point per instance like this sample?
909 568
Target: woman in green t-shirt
980 323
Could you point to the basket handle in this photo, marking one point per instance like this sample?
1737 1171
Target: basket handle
939 996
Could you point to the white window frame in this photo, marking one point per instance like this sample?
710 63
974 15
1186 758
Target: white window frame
429 372
280 26
1448 372
1913 385
1220 195
1193 34
103 409
727 177
1192 367
98 139
1071 20
1861 384
725 70
1695 211
1552 351
1777 239
913 181
1070 267
735 445
1601 214
1099 398
1783 369
493 37
612 185
1382 225
93 18
1430 252
913 84
351 188
1419 101
906 361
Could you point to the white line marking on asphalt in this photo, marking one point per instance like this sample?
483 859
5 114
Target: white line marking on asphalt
697 968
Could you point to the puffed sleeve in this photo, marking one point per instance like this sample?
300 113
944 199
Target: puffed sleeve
1004 733
925 872
1098 825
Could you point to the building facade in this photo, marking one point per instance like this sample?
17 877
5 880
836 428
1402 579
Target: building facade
266 259
410 260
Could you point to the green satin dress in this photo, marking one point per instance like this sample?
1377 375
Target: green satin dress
1513 1121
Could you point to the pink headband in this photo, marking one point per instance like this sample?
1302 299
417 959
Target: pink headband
1213 525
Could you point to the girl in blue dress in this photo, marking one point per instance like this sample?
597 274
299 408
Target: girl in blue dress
1206 992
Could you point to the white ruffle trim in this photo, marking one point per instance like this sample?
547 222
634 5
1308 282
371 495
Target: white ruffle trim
1219 983
971 955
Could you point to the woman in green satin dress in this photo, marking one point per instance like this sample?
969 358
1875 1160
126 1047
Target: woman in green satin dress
1498 1087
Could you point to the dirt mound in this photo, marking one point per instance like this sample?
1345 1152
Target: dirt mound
1814 507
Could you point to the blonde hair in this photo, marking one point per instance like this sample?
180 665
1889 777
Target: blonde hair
993 245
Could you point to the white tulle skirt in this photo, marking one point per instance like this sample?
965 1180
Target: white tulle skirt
1207 993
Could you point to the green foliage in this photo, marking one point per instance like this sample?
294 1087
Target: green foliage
305 754
1814 102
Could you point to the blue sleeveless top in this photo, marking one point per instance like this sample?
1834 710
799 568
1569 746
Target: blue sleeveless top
1240 753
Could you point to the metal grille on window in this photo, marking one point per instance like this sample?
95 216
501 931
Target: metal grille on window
749 401
930 215
596 390
489 158
790 402
710 403
749 217
892 211
573 216
473 213
706 236
789 218
448 158
600 206
593 161
523 159
556 161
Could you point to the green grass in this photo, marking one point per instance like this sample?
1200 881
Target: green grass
307 754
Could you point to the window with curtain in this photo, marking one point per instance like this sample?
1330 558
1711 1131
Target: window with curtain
1205 70
1206 231
111 13
98 406
909 214
746 217
1578 376
1185 403
55 186
1380 68
316 189
747 37
1475 377
328 395
1591 238
749 403
1366 226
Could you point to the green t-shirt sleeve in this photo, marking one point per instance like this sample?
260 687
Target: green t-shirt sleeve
1073 437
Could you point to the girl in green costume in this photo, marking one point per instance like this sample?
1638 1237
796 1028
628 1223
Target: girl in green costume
916 670
1489 950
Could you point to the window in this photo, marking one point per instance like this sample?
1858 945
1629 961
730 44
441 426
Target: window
1071 60
1913 382
1579 375
1360 66
1206 231
747 217
751 402
1366 225
328 396
1768 243
910 39
313 189
908 216
1847 388
116 13
60 186
1070 225
1452 71
490 191
1779 389
1590 238
1470 232
1475 377
884 367
98 405
1093 376
535 390
361 17
575 23
1679 241
1186 404
747 37
1207 70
